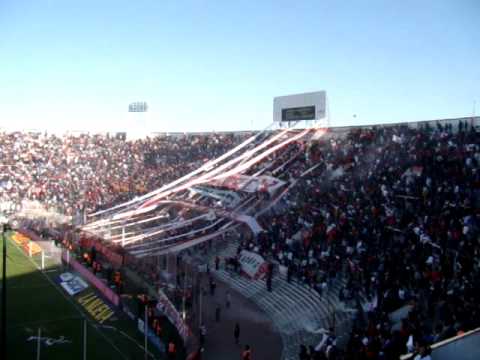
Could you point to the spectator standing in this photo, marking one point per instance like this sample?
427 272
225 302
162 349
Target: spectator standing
228 299
303 354
424 352
236 333
203 334
247 353
213 286
172 350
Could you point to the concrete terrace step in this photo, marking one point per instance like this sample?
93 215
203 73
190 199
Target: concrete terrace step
294 308
284 299
286 295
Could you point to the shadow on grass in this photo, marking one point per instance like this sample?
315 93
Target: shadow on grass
34 303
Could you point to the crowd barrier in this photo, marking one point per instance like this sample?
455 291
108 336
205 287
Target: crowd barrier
465 346
154 339
166 307
108 293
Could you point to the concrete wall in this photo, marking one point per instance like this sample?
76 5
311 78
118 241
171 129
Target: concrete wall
466 348
339 130
414 124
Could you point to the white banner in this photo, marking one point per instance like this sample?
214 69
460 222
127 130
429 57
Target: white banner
253 264
250 221
166 307
249 184
413 171
72 284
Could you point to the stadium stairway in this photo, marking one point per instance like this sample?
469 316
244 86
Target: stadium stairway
297 312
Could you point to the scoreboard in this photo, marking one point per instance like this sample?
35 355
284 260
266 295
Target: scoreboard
299 107
299 113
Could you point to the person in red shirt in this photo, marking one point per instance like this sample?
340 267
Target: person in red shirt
247 353
172 350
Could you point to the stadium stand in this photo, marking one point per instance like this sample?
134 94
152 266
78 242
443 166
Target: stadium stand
298 313
86 172
380 221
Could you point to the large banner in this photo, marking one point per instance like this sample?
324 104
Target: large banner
166 307
250 184
253 265
96 307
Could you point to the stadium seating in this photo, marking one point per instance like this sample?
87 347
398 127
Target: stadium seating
384 216
296 311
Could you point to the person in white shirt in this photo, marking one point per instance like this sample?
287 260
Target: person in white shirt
423 353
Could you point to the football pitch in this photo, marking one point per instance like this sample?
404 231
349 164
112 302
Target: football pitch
36 303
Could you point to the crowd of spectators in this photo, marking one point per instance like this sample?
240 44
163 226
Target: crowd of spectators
395 210
76 173
392 209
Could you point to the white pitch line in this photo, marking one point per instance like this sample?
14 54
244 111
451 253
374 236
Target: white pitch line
68 299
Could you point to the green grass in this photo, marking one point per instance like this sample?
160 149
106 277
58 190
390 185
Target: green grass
33 302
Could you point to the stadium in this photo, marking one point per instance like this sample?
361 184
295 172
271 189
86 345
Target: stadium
304 227
303 222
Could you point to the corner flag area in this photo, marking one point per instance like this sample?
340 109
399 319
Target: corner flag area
45 322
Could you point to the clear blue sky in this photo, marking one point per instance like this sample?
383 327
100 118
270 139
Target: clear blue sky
216 65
